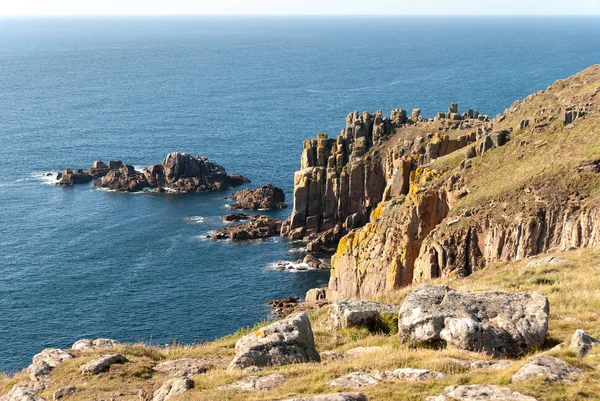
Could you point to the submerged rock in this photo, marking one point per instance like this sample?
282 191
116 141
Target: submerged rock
267 197
258 227
497 323
101 364
284 342
480 392
549 368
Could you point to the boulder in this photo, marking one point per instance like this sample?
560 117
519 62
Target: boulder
549 368
315 263
235 217
331 356
38 368
357 313
46 360
101 364
183 367
63 392
258 227
359 351
254 383
582 342
315 295
99 169
479 392
496 364
411 375
284 342
20 393
493 322
548 260
355 380
85 345
267 197
333 397
69 177
172 387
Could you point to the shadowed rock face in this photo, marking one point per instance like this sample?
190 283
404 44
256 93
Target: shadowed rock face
493 322
178 172
284 342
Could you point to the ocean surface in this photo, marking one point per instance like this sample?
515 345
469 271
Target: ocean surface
85 263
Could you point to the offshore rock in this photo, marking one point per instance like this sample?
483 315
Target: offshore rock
267 197
284 342
69 177
480 392
179 172
258 227
493 322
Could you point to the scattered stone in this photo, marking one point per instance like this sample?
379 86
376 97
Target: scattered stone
253 383
258 227
20 393
52 356
252 369
284 342
548 367
592 167
411 375
355 380
90 345
480 392
582 342
493 364
63 392
356 313
101 364
548 260
183 367
331 356
333 397
494 322
172 387
283 307
235 217
267 197
359 351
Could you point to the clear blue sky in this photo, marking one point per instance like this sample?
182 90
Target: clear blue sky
299 7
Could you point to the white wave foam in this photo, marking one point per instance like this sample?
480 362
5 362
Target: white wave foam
195 219
290 266
45 177
139 169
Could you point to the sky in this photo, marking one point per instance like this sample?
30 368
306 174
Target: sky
299 7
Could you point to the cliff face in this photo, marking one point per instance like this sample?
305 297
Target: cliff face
530 185
342 180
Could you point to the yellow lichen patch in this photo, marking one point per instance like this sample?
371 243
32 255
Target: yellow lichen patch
377 212
436 139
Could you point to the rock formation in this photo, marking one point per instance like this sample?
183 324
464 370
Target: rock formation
480 392
549 368
267 197
257 227
284 342
497 323
102 363
178 172
356 313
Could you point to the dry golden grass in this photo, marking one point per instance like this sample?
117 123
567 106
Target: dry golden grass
572 289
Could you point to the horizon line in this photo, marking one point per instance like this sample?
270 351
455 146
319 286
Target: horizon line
294 15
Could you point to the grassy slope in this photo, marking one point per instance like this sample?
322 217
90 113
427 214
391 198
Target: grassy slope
574 300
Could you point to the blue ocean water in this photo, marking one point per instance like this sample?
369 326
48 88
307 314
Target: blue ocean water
84 263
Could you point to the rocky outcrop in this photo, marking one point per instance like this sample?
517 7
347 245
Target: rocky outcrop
582 343
549 368
63 393
47 360
333 397
497 323
342 180
354 380
184 367
267 197
255 383
480 392
257 227
85 345
356 313
20 393
101 364
172 387
412 375
284 342
178 172
70 177
234 217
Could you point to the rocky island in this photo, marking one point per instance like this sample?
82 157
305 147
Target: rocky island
465 268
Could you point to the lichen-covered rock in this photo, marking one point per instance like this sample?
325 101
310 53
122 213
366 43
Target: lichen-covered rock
549 368
333 397
178 172
257 227
85 345
355 380
480 392
357 313
497 323
255 383
101 364
21 393
411 375
184 367
267 197
46 360
171 388
284 342
63 393
582 342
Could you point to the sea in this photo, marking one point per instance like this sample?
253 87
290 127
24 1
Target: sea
245 92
